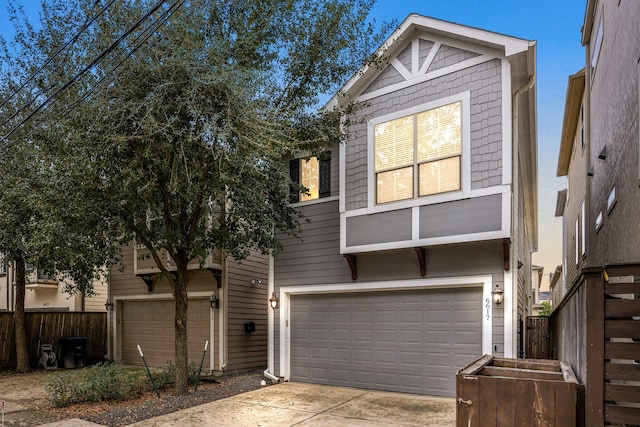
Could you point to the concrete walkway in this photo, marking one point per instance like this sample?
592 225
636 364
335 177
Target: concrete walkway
307 405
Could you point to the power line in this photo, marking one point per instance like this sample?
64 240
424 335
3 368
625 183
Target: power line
51 58
100 57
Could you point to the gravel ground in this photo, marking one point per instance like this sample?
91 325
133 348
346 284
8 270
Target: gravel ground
151 406
28 406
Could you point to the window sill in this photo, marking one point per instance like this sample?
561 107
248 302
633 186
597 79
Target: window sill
315 201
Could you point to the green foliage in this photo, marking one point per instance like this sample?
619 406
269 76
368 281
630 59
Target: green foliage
546 308
107 381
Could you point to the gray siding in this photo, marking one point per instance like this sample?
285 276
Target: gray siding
247 303
484 81
461 217
314 257
448 55
383 227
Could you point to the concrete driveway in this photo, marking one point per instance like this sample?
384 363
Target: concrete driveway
289 404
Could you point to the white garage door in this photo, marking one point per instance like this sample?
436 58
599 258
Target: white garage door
407 341
150 323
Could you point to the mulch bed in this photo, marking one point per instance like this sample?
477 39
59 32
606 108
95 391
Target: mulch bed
118 414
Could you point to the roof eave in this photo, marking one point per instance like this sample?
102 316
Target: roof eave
573 103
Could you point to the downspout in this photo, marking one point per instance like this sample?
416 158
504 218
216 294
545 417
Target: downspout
270 326
109 310
514 214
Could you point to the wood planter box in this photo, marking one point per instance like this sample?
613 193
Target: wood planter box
518 392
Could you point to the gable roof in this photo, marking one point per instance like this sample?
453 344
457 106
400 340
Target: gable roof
519 51
572 106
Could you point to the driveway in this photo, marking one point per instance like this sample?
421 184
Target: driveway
289 404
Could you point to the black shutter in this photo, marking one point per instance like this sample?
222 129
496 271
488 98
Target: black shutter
325 175
294 173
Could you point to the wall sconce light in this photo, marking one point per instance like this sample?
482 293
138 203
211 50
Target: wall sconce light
603 153
498 295
520 264
214 302
590 171
273 301
108 305
256 282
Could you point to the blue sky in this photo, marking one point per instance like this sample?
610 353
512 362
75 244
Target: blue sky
554 24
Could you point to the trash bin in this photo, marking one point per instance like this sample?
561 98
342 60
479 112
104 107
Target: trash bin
499 392
72 351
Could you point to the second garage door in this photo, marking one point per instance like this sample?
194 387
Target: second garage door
150 323
407 341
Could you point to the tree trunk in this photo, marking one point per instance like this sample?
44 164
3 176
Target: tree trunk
22 352
181 303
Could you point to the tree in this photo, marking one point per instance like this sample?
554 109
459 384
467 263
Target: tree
43 222
186 116
546 308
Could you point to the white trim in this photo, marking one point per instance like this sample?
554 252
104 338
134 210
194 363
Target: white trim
415 56
270 319
507 123
415 241
429 59
222 318
421 78
400 68
435 283
342 172
509 307
465 161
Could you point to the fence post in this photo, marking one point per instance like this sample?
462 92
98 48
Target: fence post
594 402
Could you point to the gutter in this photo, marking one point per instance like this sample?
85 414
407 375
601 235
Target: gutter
270 325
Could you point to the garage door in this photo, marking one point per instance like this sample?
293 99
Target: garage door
407 341
150 323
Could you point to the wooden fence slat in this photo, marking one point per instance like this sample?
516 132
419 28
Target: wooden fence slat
48 328
622 393
621 308
621 288
521 373
621 414
622 350
622 371
547 365
622 328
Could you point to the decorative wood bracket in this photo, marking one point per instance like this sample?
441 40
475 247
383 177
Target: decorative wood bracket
422 260
506 243
148 280
217 274
351 260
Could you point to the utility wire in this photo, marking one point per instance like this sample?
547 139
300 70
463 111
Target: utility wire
55 54
93 63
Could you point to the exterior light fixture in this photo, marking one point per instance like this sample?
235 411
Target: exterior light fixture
273 301
498 295
256 282
214 302
108 305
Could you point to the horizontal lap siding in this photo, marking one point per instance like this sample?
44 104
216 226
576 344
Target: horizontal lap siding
247 303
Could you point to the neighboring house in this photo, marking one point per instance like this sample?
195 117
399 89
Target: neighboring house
46 293
572 203
599 147
235 324
555 287
536 282
429 207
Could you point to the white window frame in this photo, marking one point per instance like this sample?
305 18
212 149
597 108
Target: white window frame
3 264
577 238
599 221
611 200
465 158
583 226
597 46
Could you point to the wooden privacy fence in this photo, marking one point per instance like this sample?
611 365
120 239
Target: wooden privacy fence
597 329
48 328
537 338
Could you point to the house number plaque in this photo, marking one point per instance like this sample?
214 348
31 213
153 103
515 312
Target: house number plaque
487 305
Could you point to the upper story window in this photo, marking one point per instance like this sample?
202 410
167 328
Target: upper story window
313 173
418 154
597 45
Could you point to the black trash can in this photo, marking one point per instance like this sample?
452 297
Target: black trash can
72 351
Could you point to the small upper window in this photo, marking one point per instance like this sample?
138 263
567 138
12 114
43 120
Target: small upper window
3 265
611 200
597 45
314 174
419 155
599 221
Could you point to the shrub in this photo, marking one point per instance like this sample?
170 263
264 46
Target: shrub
105 381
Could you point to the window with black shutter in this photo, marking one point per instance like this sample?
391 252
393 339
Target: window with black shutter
313 173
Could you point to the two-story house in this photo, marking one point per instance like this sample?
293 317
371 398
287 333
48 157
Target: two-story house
421 217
